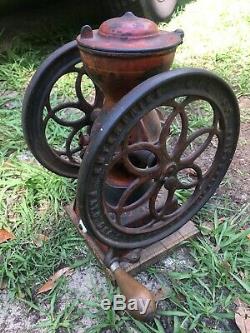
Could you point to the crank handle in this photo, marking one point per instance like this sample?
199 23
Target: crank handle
134 292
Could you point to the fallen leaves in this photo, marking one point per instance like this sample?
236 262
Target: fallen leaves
160 295
191 172
50 284
3 285
242 316
40 239
5 235
207 227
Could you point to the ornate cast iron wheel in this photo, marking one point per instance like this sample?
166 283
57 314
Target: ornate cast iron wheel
133 194
57 111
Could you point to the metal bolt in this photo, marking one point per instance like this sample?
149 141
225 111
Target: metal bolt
82 227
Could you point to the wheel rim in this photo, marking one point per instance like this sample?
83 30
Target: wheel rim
57 114
178 90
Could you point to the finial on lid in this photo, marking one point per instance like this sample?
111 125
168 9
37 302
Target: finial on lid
129 15
86 32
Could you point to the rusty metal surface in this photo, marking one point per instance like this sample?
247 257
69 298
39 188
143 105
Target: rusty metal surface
122 38
40 110
165 162
128 35
117 76
130 64
144 140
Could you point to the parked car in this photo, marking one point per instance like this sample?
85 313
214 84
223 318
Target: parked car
158 10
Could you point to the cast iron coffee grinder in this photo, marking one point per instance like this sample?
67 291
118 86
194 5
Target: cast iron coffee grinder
148 150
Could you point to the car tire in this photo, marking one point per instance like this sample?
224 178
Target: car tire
158 10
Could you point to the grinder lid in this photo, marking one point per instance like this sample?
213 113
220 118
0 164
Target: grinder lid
128 34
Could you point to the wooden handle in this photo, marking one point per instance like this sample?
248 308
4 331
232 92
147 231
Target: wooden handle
140 301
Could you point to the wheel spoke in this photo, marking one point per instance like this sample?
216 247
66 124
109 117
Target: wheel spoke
69 151
139 159
194 155
165 132
197 175
68 123
183 136
45 122
122 206
142 159
153 198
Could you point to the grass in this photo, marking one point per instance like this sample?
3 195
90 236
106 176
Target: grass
216 39
200 297
30 209
210 287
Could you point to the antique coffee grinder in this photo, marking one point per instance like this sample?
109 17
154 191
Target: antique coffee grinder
149 146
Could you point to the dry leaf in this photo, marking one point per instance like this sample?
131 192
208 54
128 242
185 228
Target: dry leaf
226 265
40 239
160 294
3 284
191 172
43 207
248 236
207 227
5 235
242 316
50 284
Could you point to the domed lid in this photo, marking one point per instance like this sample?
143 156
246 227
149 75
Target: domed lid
127 34
128 26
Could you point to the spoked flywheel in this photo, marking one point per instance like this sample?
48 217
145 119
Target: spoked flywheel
133 192
57 111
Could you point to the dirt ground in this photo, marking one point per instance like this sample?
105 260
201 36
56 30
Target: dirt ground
237 180
15 316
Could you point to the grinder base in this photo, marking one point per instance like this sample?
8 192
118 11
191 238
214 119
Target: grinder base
148 256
